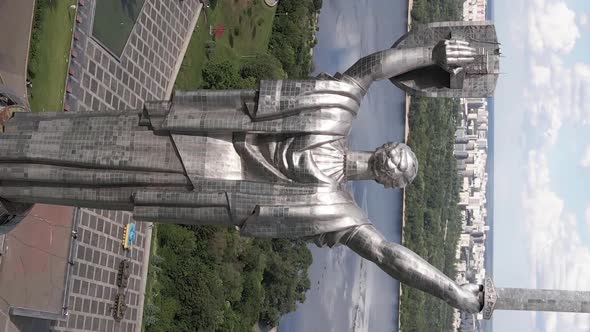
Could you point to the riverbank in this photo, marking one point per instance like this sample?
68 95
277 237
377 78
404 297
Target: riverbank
408 98
407 125
409 20
406 136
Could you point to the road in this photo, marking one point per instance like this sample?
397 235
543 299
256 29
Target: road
16 17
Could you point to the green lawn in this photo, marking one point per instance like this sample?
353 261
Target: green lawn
189 75
113 22
247 25
151 283
49 65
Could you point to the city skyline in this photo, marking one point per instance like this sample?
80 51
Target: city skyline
471 151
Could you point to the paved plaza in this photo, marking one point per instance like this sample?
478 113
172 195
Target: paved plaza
34 265
93 284
99 80
15 16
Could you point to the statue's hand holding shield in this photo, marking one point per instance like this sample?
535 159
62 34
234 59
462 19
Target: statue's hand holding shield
453 55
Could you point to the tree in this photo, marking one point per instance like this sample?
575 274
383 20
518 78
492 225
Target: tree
286 54
431 208
317 5
285 279
262 66
221 74
150 312
211 279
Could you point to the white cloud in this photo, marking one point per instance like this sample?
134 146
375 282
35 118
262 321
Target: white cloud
541 75
554 99
581 93
557 94
585 163
560 259
583 19
552 27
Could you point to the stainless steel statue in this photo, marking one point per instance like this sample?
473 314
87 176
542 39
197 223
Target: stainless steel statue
271 162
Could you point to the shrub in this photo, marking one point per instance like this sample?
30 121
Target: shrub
231 40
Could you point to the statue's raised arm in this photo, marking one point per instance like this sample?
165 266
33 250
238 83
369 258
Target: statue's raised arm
447 59
450 55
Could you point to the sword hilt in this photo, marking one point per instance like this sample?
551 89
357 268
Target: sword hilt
490 298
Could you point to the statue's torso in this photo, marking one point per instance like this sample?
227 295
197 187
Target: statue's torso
313 160
288 160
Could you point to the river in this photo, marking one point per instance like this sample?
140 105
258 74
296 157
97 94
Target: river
348 293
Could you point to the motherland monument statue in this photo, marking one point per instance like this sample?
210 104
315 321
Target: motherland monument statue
271 162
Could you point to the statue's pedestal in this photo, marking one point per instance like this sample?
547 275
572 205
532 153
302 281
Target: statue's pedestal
11 214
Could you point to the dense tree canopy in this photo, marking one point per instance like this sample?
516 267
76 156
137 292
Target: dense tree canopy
293 35
225 74
221 74
433 219
211 279
427 11
263 66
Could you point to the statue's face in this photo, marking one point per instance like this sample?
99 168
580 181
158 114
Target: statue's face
394 165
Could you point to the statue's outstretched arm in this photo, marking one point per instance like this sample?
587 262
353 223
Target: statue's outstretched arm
412 270
449 54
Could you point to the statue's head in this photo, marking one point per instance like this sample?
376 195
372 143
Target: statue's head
394 165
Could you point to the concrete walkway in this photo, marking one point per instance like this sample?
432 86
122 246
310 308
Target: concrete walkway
16 17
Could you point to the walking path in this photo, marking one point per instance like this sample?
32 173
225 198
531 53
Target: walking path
16 17
271 3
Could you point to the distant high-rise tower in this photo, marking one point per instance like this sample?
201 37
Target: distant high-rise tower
474 10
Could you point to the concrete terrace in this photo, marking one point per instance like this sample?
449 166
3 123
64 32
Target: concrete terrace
16 17
99 81
34 268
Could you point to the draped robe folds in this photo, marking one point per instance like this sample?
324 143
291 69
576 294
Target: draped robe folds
204 143
239 158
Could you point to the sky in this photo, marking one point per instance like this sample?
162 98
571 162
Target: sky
542 155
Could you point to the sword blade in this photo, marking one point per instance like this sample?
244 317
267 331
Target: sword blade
542 300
